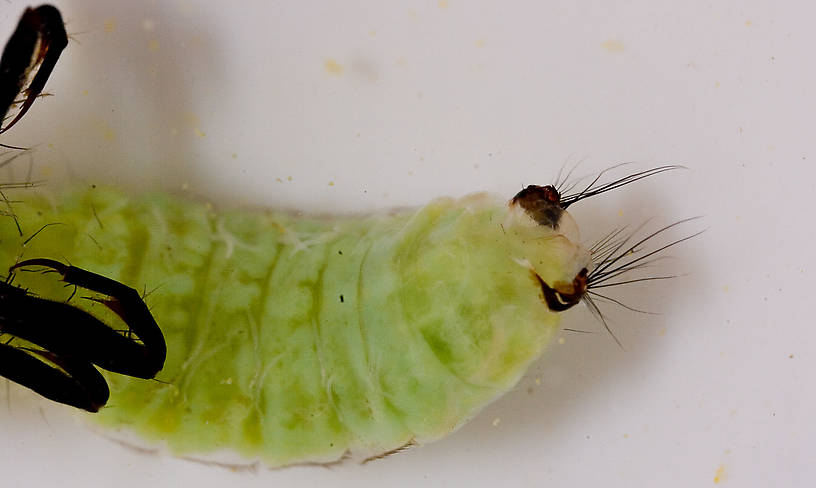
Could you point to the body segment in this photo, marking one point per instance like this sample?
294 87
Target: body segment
294 339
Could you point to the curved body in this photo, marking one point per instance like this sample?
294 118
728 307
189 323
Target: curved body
294 339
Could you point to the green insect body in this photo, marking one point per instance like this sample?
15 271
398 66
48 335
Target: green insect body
295 339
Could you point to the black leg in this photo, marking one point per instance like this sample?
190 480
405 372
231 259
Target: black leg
40 29
65 380
72 340
64 329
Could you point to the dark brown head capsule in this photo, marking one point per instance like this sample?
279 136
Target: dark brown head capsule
542 204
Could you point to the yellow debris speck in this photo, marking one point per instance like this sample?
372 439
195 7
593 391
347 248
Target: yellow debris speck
538 381
479 42
153 45
748 23
561 340
85 92
613 46
199 133
620 213
289 178
331 183
234 155
372 33
185 186
191 119
625 436
716 84
442 4
726 288
496 422
333 67
110 26
109 134
719 475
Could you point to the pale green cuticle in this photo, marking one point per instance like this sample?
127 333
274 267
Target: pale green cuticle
437 318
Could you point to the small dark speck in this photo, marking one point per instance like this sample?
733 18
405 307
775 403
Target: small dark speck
341 299
791 356
93 186
340 252
588 437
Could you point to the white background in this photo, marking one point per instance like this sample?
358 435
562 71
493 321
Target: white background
360 105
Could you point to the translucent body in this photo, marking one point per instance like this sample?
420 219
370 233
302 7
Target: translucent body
296 339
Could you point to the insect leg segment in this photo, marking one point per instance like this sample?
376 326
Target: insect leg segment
34 47
91 338
73 381
59 371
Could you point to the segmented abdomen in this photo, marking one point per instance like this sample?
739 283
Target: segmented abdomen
295 339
